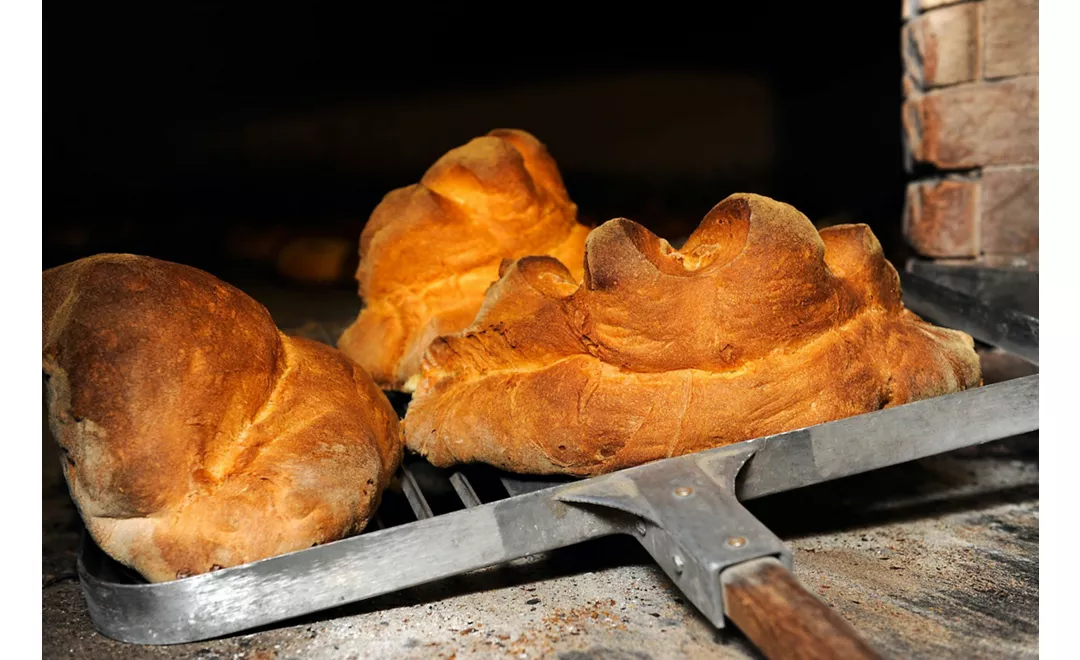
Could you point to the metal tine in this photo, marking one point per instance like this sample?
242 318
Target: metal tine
419 505
464 490
520 485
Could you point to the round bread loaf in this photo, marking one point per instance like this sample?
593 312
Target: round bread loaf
430 250
194 435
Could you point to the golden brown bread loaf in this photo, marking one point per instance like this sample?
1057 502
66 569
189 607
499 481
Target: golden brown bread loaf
429 251
194 434
758 325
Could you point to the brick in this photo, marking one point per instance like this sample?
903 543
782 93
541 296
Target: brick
1010 211
973 125
911 122
909 86
943 47
941 217
1012 38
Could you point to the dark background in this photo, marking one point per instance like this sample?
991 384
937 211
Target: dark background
213 135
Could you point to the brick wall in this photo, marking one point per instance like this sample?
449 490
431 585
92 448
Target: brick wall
971 129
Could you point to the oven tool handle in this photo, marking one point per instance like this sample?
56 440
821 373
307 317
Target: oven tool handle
783 619
729 564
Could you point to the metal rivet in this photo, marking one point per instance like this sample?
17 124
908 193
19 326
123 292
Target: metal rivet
641 528
678 564
683 491
736 541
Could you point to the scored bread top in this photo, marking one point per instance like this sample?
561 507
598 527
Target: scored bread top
758 325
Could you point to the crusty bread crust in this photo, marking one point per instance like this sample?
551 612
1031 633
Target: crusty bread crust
194 434
430 250
758 325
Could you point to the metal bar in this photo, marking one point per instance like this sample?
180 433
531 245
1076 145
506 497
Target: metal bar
279 588
1005 328
890 437
464 490
420 507
1011 288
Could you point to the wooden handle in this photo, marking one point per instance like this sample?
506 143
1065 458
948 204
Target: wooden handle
783 619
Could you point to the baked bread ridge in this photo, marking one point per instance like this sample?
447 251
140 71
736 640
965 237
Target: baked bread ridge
758 325
429 251
194 434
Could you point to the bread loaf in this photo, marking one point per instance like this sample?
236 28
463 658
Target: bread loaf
758 325
194 435
429 251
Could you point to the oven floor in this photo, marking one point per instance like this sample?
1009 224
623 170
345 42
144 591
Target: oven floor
930 559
